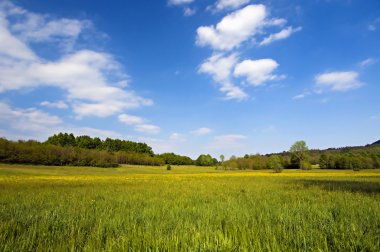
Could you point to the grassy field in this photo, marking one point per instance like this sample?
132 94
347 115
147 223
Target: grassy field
189 208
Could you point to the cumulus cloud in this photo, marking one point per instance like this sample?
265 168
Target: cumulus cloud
90 79
219 67
241 25
233 29
257 72
337 81
202 131
283 34
57 104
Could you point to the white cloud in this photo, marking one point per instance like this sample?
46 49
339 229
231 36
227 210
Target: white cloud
233 29
91 80
177 137
32 27
130 119
367 62
202 131
10 46
57 104
229 4
31 123
147 128
139 124
337 81
257 71
31 119
226 142
283 34
301 95
179 2
220 67
187 11
233 92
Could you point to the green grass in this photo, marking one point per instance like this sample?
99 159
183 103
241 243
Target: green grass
189 208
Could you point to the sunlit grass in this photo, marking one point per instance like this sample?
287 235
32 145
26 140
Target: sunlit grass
188 208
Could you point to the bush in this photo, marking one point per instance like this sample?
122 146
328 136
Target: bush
168 167
305 165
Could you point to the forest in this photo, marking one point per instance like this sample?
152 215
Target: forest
66 149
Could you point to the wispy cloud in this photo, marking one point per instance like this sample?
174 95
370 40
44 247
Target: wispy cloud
338 81
32 123
367 62
179 2
227 5
187 11
373 25
202 131
283 34
57 104
178 137
227 142
139 124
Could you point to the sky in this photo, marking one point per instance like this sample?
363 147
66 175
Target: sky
229 77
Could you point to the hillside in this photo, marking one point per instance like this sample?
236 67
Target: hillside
376 143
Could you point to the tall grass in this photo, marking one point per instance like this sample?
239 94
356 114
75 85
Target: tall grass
116 209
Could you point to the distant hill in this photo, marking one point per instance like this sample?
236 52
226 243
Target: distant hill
376 143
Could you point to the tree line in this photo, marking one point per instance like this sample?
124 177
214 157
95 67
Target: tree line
66 149
36 153
300 157
87 142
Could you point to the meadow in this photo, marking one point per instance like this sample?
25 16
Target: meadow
143 208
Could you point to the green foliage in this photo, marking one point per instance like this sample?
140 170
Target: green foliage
174 159
206 160
33 152
62 139
168 167
111 145
299 155
274 163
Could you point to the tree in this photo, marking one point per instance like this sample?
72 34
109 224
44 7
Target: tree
222 161
274 162
299 157
205 160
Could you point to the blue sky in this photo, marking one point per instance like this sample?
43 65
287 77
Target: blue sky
191 76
